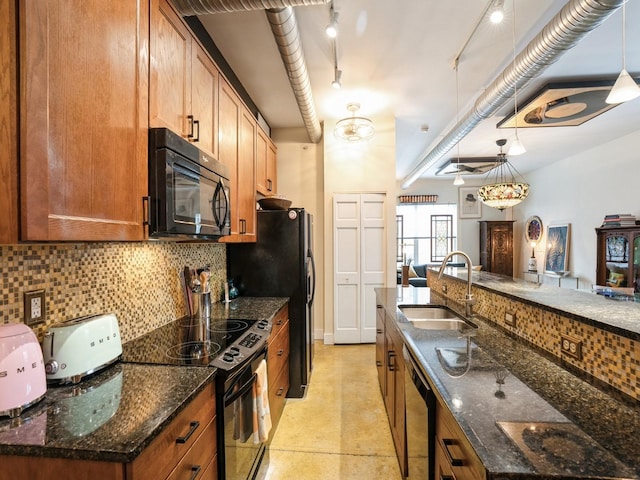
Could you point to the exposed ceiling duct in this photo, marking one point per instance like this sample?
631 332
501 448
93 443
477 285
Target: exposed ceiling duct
201 7
564 31
285 31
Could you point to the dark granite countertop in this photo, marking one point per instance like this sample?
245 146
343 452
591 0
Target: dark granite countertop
114 415
621 317
111 416
536 391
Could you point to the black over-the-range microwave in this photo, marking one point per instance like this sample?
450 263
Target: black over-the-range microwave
189 191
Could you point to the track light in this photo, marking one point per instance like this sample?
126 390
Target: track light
516 148
332 28
337 79
625 88
497 12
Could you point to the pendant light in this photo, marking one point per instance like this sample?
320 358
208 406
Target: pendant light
458 180
505 191
625 88
332 28
517 148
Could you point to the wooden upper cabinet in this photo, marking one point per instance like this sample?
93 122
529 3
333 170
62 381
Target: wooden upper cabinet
83 119
237 146
265 164
184 80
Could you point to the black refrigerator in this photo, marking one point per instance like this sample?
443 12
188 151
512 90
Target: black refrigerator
280 264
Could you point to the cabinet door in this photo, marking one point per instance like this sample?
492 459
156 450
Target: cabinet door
170 82
261 163
501 250
272 167
84 118
228 117
380 353
246 175
204 101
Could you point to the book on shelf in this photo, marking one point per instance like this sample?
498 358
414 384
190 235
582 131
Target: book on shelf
619 220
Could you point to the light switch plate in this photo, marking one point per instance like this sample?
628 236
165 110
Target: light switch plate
510 319
34 307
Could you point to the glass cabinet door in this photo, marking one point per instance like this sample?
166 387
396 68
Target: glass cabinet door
617 260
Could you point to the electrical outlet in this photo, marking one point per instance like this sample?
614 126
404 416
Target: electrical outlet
444 288
510 319
34 307
571 346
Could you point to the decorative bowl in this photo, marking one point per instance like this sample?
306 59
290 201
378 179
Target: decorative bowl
274 202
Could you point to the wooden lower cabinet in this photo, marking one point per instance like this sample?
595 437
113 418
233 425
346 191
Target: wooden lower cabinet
164 458
391 376
278 366
455 458
496 246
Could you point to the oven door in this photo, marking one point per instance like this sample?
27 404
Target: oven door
190 200
241 455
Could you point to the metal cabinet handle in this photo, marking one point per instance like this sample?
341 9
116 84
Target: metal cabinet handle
280 352
379 331
269 185
243 226
279 322
391 355
446 477
195 471
455 462
196 123
280 392
378 363
193 427
190 120
146 202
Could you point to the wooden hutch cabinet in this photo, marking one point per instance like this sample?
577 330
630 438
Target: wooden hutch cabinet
496 246
618 258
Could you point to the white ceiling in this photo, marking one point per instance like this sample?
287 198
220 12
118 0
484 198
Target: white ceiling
397 56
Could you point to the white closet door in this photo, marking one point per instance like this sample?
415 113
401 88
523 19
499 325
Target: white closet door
373 261
359 264
346 252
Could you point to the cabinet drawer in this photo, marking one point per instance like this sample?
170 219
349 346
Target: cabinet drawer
278 354
280 320
458 453
211 471
198 457
277 395
164 453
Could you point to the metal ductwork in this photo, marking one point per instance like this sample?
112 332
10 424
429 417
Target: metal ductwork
201 7
563 32
285 30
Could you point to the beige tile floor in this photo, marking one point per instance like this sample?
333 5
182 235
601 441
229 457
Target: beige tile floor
340 430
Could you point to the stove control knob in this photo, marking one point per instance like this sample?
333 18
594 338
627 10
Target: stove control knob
228 357
235 351
262 324
51 367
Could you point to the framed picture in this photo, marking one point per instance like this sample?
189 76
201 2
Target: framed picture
557 250
469 205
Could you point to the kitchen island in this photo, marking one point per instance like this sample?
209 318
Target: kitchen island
506 387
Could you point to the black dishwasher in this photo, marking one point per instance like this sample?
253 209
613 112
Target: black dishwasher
420 404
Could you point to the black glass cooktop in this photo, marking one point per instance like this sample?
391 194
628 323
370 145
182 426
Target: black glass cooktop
185 342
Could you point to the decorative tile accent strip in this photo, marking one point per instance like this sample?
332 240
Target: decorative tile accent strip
139 282
606 356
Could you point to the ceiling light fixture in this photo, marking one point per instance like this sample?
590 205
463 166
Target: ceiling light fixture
353 128
517 148
458 180
625 88
332 28
337 78
505 191
497 12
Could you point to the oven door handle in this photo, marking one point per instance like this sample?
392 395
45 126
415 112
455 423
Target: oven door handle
233 396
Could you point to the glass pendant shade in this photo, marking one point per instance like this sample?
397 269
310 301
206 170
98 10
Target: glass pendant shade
458 180
354 129
517 148
504 191
624 89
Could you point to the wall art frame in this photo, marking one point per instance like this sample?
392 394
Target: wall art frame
469 205
556 259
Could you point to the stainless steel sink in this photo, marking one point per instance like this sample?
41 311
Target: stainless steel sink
433 317
427 312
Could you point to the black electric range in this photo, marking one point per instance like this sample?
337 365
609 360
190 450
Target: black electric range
221 343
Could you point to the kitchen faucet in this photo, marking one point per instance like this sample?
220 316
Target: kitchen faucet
469 301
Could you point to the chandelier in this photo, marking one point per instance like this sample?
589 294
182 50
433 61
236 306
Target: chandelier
505 191
354 129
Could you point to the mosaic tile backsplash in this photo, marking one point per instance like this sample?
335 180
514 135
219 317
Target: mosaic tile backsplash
139 282
608 357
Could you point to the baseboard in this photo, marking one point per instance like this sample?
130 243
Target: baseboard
328 339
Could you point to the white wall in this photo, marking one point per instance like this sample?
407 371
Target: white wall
581 190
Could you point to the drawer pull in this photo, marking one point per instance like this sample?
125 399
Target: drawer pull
455 462
280 392
195 470
391 355
446 477
279 322
280 352
378 363
193 427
